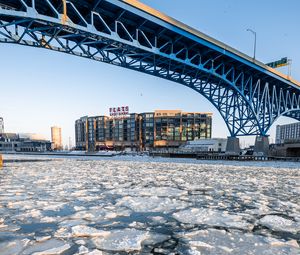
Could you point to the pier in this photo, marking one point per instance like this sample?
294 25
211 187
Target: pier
220 156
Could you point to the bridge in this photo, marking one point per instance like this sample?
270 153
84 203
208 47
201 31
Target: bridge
249 95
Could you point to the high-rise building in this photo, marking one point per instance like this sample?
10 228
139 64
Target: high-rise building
162 128
289 132
1 125
56 138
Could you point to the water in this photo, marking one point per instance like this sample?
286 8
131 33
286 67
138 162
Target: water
143 205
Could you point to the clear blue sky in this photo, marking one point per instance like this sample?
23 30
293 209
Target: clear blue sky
40 88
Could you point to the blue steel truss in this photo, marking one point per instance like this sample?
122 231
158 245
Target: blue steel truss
248 95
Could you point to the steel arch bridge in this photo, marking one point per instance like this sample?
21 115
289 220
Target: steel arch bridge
249 95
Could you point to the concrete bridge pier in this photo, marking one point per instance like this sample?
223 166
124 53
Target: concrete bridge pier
233 146
261 147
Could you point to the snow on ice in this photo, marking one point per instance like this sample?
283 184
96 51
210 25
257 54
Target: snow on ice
143 205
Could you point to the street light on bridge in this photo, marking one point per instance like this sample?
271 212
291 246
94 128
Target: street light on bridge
253 32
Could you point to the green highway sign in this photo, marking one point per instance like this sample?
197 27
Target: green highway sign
279 63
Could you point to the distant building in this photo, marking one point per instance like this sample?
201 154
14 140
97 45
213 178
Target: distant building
23 143
287 141
205 145
56 138
288 133
159 129
34 146
1 125
9 142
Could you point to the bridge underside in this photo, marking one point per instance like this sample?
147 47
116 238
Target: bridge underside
113 32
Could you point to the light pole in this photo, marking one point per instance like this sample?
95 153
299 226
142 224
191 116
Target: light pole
253 32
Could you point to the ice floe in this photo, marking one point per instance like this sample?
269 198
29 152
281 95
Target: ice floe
83 250
54 251
122 240
13 247
212 218
85 231
153 191
220 242
278 223
152 204
49 247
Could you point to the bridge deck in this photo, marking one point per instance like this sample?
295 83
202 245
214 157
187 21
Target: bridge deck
133 12
222 46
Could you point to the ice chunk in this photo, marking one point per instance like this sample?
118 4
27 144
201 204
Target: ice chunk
200 244
293 243
79 208
42 238
138 225
158 220
83 250
202 188
86 215
54 206
85 231
110 215
80 242
2 226
95 252
212 218
277 223
52 246
31 214
122 240
154 238
54 251
62 233
156 191
220 242
152 204
71 223
49 219
13 247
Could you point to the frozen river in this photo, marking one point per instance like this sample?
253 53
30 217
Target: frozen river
140 205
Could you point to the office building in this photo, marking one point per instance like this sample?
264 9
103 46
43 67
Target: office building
56 138
287 133
1 125
159 129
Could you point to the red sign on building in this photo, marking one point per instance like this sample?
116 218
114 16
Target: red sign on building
119 111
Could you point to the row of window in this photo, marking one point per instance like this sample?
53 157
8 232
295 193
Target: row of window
152 129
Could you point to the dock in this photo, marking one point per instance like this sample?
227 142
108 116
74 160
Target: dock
221 156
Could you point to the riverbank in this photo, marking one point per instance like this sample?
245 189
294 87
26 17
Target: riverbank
222 156
165 154
66 154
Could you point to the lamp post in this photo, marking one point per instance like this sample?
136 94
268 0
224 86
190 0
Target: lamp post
253 32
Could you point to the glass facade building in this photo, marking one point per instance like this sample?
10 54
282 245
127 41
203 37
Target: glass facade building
162 128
